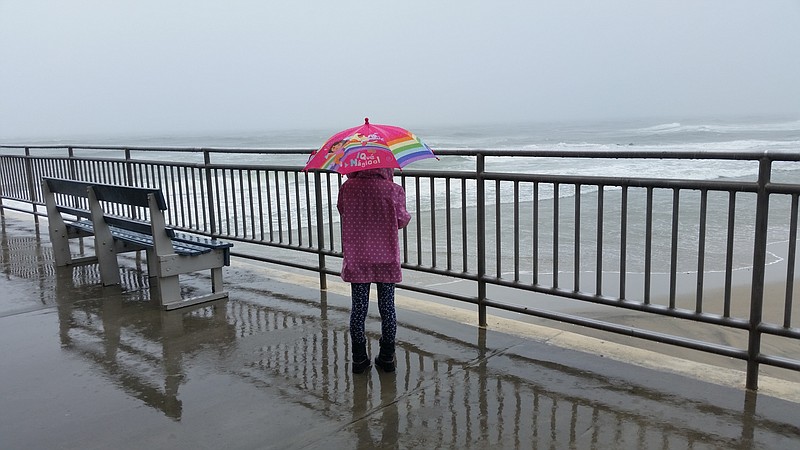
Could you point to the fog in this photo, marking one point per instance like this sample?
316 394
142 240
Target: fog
148 67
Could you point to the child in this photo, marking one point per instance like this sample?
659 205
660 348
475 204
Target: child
372 208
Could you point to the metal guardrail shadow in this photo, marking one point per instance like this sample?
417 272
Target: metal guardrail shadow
504 240
467 395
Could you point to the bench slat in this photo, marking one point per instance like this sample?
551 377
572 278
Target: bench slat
200 240
126 195
139 226
142 239
78 212
69 187
84 225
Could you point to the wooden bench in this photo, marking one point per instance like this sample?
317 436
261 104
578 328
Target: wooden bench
114 215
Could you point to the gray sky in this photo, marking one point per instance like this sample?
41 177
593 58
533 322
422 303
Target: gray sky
158 66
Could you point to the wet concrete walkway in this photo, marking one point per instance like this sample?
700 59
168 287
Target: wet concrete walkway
87 367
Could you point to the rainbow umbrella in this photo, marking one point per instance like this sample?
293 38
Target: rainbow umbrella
369 146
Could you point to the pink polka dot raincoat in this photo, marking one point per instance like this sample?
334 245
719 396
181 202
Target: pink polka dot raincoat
372 208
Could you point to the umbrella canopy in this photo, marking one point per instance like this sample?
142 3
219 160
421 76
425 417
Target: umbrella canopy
369 146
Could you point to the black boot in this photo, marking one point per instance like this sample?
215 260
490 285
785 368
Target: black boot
385 359
360 357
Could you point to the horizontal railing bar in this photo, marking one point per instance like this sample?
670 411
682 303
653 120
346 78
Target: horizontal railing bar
181 164
782 188
435 293
143 162
776 330
305 249
778 361
444 272
26 211
588 180
626 304
281 262
774 155
454 174
274 151
180 149
693 344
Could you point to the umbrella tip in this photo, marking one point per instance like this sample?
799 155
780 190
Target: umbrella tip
366 120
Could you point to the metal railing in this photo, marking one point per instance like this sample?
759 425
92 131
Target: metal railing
553 244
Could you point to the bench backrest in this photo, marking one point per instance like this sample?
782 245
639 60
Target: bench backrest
126 195
121 195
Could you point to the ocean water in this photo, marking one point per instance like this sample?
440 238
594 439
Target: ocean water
754 134
650 135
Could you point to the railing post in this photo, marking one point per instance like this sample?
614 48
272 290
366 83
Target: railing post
759 267
323 279
3 175
481 240
31 189
212 223
2 196
128 168
72 169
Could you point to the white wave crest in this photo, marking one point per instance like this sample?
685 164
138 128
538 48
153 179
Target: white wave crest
666 127
675 127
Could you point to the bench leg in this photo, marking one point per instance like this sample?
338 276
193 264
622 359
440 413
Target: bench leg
107 260
169 289
60 243
152 263
216 279
106 252
109 270
161 274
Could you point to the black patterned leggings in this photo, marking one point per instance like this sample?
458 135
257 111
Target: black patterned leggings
358 315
